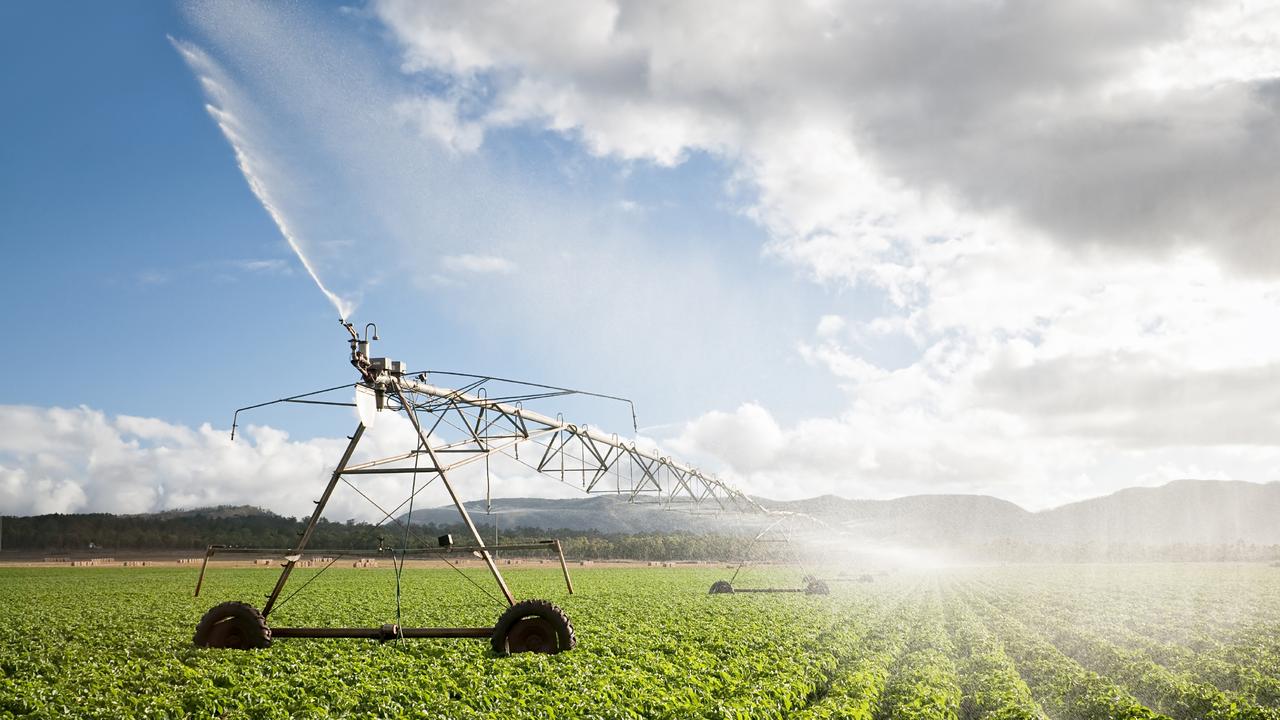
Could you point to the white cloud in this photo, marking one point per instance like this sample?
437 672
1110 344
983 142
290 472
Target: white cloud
95 462
830 325
478 264
439 119
1040 419
272 266
1136 123
64 460
1067 208
1064 211
746 439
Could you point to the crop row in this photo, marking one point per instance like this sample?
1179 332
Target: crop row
862 652
1061 685
1187 651
992 688
1232 667
1178 695
926 658
924 684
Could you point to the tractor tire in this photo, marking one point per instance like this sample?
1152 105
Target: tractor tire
720 587
233 625
533 626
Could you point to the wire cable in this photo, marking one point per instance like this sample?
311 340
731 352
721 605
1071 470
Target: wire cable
413 490
310 580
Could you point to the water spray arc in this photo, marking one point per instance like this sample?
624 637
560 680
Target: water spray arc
250 165
453 428
247 168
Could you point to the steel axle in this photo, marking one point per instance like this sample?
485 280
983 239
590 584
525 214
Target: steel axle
383 633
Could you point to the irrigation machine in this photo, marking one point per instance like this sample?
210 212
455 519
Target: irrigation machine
453 428
779 531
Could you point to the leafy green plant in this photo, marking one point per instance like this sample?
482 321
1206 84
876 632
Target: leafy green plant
1018 643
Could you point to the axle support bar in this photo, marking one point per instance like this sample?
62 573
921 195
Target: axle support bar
384 633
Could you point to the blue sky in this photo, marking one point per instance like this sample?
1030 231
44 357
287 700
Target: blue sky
128 227
1019 251
143 262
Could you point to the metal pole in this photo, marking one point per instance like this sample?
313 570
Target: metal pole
453 495
208 553
315 518
564 567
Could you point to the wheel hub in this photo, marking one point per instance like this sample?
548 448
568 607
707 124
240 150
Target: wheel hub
532 634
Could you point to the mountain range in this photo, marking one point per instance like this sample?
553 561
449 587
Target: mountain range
1195 512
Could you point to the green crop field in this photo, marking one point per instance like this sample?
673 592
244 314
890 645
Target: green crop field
1089 642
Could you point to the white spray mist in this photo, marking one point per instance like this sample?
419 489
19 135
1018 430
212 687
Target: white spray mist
206 71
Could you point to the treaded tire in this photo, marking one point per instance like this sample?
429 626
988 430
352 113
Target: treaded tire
533 626
817 587
234 625
720 587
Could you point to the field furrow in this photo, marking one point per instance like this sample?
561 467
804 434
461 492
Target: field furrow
923 683
859 669
1226 667
1178 695
1064 688
989 681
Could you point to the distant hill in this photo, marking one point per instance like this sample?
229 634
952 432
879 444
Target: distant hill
1184 511
925 520
218 512
609 514
1206 512
1182 514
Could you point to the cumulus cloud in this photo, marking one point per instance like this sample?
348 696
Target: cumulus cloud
1156 381
830 325
64 460
748 438
1135 123
1051 223
80 459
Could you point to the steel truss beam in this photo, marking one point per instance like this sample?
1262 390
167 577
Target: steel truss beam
454 428
465 428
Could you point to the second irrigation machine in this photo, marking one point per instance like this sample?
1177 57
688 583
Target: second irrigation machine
453 428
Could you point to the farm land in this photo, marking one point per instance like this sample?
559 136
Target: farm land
1085 642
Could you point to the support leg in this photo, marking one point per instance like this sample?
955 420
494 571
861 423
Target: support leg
462 510
315 518
208 553
564 567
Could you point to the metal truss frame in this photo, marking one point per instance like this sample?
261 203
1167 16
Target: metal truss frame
457 427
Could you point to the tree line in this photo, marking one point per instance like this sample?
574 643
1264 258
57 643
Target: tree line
102 532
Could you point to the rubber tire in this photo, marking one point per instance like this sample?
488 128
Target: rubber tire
817 587
233 625
720 587
534 611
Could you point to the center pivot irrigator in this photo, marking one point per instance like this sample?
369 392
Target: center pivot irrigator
452 428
